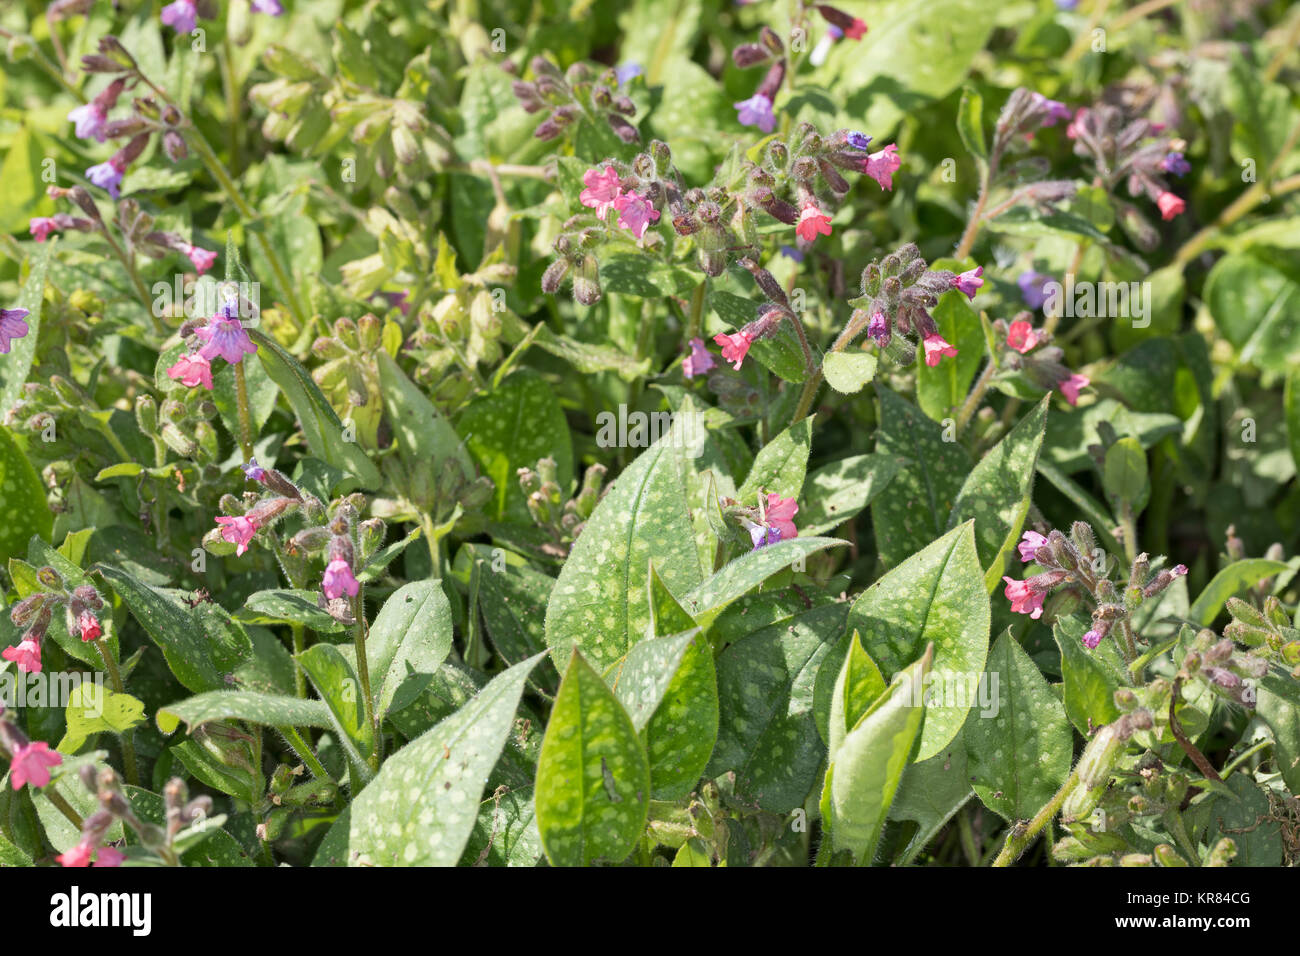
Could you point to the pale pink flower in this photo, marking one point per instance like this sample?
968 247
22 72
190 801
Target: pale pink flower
1070 387
936 348
32 763
882 165
1023 599
780 514
735 346
1021 336
238 530
192 370
635 213
602 189
812 222
339 580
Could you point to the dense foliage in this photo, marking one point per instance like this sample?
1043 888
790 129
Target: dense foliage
673 432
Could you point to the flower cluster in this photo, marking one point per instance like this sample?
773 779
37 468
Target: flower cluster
183 15
771 521
573 94
1026 349
223 335
562 519
35 612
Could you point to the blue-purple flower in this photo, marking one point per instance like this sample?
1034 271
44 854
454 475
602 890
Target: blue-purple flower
181 16
858 140
757 111
253 471
225 337
1033 288
108 176
12 326
1175 164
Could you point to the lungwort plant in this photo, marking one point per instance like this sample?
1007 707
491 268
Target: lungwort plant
700 434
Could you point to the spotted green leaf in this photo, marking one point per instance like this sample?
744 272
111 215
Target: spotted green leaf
421 807
915 510
25 511
835 493
15 366
849 372
599 600
269 710
1019 746
930 792
593 777
996 493
858 686
286 606
739 576
410 635
766 731
336 682
780 467
937 597
93 709
1091 677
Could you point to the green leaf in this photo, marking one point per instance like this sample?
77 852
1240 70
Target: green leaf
1233 579
780 467
858 686
996 494
599 601
740 576
511 427
837 492
1019 749
336 682
1091 677
921 495
849 372
767 732
92 709
421 807
937 596
866 769
1291 406
25 511
285 606
593 778
320 423
269 710
1125 473
1257 308
16 366
941 388
1277 702
411 635
201 644
970 122
930 792
424 436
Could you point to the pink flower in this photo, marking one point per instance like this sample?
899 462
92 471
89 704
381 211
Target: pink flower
181 16
1070 387
936 348
238 530
32 763
89 626
1023 600
41 227
108 175
109 856
1170 205
812 222
699 361
969 281
1021 336
780 514
635 213
202 258
882 165
89 120
602 190
856 30
12 326
79 855
267 6
1075 126
1092 639
191 370
225 337
1029 544
338 580
735 346
27 655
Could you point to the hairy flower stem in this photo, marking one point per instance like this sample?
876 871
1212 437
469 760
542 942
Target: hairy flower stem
299 645
245 419
134 276
303 750
128 747
849 333
976 220
1022 835
363 671
1176 728
52 794
976 396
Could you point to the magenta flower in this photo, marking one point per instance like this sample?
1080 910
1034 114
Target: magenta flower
735 346
812 223
878 329
699 361
1092 639
780 514
882 165
1021 336
936 348
338 580
202 258
225 337
635 213
181 16
756 111
1056 110
856 30
1030 542
79 855
108 176
1170 205
1070 387
89 120
192 370
1023 599
32 763
109 856
238 530
89 627
12 327
969 281
602 190
41 227
271 7
27 655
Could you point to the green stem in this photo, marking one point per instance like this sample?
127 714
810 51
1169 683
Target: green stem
232 98
697 312
52 794
1020 837
245 419
128 746
136 281
303 750
363 670
299 645
972 403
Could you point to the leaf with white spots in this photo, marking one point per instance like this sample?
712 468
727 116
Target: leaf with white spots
599 601
23 509
336 682
410 635
936 596
421 807
864 775
593 778
16 366
1019 751
835 493
766 730
930 792
738 577
996 493
270 710
780 467
914 511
